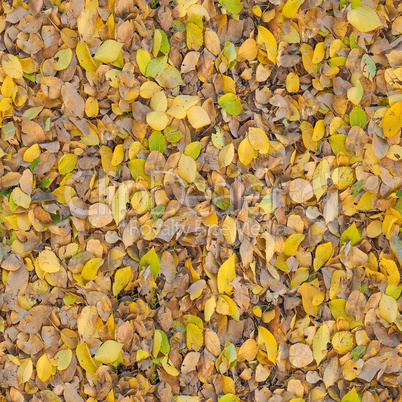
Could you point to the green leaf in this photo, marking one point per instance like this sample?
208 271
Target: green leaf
173 134
67 163
233 6
33 164
63 58
32 112
368 65
151 259
357 352
352 234
157 142
217 138
157 212
357 188
358 117
351 396
193 149
156 66
231 103
161 43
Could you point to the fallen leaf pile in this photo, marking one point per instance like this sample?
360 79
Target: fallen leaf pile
200 200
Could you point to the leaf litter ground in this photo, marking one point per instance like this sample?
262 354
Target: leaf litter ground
200 201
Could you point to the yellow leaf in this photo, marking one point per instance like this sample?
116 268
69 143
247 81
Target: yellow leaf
226 306
20 198
312 296
229 229
245 152
300 276
322 253
342 342
226 155
84 358
187 168
226 273
141 355
157 343
24 371
44 368
268 340
158 102
291 7
292 243
355 93
320 341
248 350
194 36
84 58
141 202
351 369
48 262
364 19
292 82
91 268
228 84
258 139
63 58
169 368
109 352
307 135
119 203
63 358
108 51
12 66
351 396
64 194
157 120
87 19
209 308
265 37
86 322
392 121
248 50
198 117
388 308
343 177
91 107
319 53
374 229
194 337
366 202
118 155
5 104
307 57
181 104
7 87
121 279
143 58
67 163
319 130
